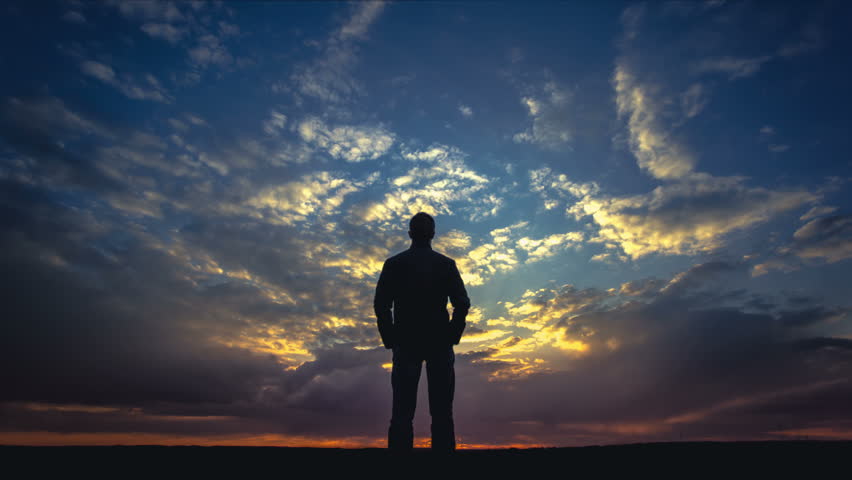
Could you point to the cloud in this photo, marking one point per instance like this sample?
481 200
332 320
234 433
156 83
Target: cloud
515 54
166 11
778 148
402 80
164 20
579 333
350 143
505 251
164 31
316 194
127 85
435 195
824 239
139 153
440 183
46 130
435 153
195 120
829 238
51 115
69 360
536 309
811 39
608 257
210 50
145 204
329 77
539 249
214 287
689 217
453 243
178 124
220 340
228 29
700 275
631 19
642 288
486 206
734 67
550 111
656 153
244 152
553 188
98 70
479 264
817 211
692 212
275 123
362 17
72 16
693 100
466 110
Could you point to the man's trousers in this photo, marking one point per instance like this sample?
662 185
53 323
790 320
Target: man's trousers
405 375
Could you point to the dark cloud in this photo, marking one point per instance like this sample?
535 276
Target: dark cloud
822 342
105 316
810 316
643 288
100 317
144 291
828 238
680 364
821 240
41 132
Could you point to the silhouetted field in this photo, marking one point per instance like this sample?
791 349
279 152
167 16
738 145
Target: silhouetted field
689 459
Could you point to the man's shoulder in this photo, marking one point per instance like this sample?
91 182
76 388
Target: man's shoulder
443 258
432 254
395 258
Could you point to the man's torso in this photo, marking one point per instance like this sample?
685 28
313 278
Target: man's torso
420 280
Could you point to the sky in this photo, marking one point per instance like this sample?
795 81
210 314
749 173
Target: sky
650 206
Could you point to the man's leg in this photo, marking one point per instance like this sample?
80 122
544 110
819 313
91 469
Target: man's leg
405 375
440 372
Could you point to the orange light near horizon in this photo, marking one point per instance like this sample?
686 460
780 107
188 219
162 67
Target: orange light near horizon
827 433
136 438
44 439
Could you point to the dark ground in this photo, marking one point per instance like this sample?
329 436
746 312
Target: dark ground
813 459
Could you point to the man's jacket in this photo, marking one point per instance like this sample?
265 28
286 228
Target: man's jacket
416 284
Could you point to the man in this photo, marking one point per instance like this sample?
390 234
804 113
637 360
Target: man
417 283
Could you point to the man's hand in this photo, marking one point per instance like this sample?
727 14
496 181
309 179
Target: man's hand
382 303
461 304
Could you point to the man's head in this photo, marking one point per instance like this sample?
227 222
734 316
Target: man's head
421 228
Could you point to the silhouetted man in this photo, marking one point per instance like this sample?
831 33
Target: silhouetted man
417 283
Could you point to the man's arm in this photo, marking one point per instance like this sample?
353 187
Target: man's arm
461 304
382 303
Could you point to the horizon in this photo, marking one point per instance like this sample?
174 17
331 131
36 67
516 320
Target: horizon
649 204
423 444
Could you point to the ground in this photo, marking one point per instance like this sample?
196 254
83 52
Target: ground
812 458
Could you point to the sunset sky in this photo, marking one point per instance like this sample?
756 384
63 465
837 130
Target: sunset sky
650 205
